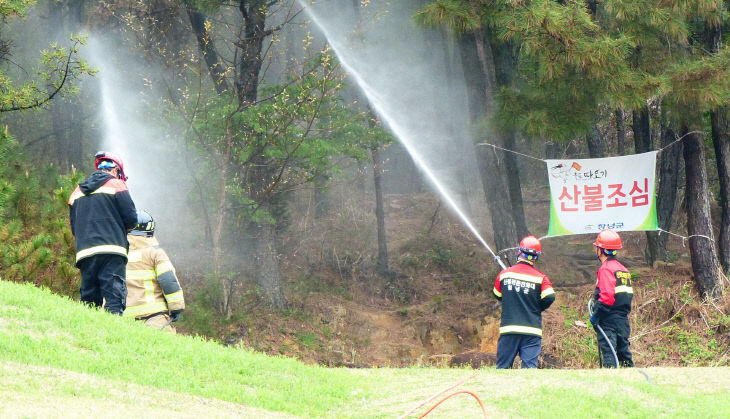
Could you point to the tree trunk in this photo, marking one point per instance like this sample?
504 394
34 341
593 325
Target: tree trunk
641 125
266 255
620 133
268 276
216 69
250 61
492 173
596 145
495 191
721 140
515 187
382 261
216 239
701 242
669 166
642 130
321 198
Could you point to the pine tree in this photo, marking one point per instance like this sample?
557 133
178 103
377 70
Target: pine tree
576 57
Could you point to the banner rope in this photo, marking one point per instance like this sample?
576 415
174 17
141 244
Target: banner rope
543 160
685 238
512 151
680 139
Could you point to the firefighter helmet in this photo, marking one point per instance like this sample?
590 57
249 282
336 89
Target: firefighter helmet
608 240
108 156
145 225
530 248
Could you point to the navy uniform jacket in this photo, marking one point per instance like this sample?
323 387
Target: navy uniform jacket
525 293
101 212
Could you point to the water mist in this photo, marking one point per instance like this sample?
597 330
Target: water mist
152 158
393 67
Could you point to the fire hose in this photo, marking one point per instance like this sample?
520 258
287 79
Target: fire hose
600 329
591 302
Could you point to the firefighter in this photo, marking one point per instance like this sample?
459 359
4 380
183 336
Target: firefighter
155 295
525 293
612 302
101 212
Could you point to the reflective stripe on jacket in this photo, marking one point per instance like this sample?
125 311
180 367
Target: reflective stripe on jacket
101 212
613 292
525 293
152 285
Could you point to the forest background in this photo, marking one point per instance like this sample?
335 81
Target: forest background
299 225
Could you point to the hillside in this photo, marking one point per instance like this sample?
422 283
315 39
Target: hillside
66 360
438 303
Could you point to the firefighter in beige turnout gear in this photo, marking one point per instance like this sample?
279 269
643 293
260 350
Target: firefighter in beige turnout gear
154 293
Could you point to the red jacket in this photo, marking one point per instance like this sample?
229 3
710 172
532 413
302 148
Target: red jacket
613 292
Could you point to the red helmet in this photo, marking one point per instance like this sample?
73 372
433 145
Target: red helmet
609 240
112 157
531 245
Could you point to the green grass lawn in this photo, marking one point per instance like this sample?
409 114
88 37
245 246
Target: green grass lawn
56 352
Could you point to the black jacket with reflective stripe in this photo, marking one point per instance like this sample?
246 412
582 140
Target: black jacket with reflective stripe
101 212
525 293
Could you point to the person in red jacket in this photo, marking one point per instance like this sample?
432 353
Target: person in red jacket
612 302
101 212
525 293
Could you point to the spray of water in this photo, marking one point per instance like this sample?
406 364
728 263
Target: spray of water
384 107
151 159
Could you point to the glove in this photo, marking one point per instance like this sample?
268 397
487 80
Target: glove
594 318
175 315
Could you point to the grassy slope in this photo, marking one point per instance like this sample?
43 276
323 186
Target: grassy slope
54 352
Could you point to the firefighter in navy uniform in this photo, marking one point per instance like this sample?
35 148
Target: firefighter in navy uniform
612 302
155 295
101 212
525 293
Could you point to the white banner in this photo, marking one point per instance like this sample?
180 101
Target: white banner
589 195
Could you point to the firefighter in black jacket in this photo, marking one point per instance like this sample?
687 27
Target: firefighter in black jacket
101 212
525 293
612 302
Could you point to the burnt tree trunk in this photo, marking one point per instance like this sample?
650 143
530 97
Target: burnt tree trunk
699 226
669 173
382 262
721 141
